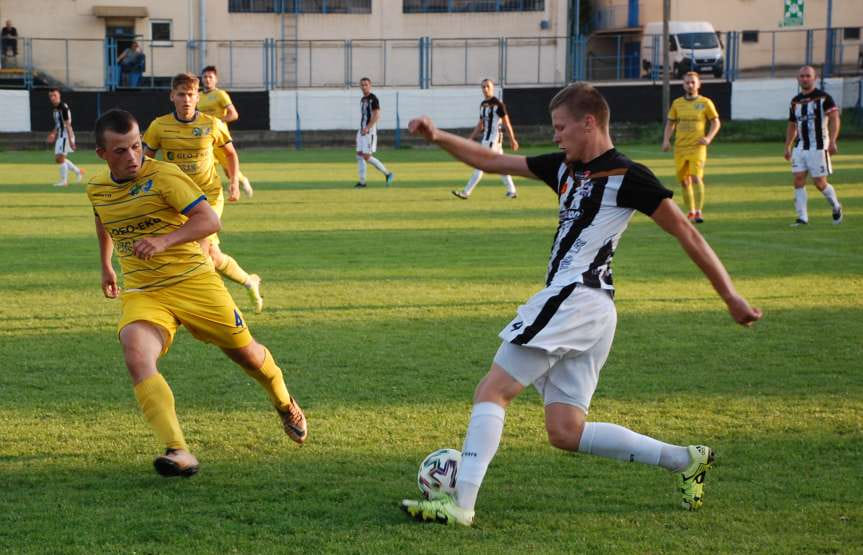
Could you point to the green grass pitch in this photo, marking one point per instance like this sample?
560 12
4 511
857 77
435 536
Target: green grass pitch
383 308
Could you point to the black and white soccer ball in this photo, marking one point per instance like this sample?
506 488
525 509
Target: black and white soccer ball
438 472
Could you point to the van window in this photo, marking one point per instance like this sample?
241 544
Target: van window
689 41
672 44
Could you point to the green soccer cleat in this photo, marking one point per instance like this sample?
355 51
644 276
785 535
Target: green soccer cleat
690 481
442 510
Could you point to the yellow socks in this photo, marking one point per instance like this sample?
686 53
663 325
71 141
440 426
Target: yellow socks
689 198
700 196
231 270
157 403
269 375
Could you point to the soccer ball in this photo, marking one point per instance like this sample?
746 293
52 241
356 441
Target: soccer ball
438 472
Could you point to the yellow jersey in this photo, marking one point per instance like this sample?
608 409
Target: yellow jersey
190 145
151 204
214 102
691 116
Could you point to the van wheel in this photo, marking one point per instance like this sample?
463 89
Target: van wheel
717 72
678 71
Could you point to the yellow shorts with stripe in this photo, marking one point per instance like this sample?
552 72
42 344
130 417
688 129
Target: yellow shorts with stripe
201 303
690 162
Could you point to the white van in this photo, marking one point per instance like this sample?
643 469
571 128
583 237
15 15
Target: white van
693 46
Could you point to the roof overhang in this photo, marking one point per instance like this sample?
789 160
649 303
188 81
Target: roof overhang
120 11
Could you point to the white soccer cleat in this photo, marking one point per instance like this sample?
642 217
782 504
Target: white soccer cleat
253 288
247 187
61 184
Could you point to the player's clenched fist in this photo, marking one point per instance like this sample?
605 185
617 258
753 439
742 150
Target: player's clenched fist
424 126
148 247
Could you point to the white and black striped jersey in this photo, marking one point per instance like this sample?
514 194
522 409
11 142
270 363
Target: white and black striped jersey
809 113
491 112
596 200
368 104
61 114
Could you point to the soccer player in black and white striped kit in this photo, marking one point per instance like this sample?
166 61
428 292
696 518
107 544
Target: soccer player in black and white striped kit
813 129
492 116
367 136
561 337
63 138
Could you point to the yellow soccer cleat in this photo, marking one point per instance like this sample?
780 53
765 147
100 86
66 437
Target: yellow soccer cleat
690 481
442 510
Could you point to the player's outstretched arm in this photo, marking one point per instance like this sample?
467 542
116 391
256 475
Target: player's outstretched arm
471 153
106 249
669 218
202 222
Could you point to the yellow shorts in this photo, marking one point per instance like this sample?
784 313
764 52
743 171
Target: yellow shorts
690 163
218 206
201 303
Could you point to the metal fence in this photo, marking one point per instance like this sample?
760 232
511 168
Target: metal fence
424 62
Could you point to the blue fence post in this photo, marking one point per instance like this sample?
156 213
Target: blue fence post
398 137
28 63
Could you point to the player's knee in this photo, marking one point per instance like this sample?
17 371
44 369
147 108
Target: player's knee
251 356
564 435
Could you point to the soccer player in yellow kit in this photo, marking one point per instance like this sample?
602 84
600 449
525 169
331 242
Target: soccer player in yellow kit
189 140
152 215
216 102
689 115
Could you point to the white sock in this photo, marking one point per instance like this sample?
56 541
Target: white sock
378 165
507 182
361 167
800 202
72 167
472 182
616 442
64 173
480 445
830 194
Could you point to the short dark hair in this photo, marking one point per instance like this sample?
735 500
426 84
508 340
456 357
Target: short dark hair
210 68
116 120
366 79
582 99
185 79
52 89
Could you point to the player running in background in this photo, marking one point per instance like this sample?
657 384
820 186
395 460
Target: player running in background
153 215
216 102
687 119
561 337
492 115
63 138
813 129
190 139
367 136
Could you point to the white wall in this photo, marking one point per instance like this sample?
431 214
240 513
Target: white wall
771 98
320 109
14 111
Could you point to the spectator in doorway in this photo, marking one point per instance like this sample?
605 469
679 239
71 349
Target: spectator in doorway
132 62
9 41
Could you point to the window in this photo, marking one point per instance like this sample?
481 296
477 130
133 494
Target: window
160 32
450 6
851 33
300 6
749 36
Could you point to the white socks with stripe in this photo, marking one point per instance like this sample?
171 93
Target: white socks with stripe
361 167
830 194
480 445
616 442
474 179
800 203
507 182
378 165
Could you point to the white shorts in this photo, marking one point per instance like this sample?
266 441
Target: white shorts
62 146
368 143
559 342
816 162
